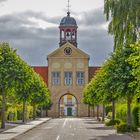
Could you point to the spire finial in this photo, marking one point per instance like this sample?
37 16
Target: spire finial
68 5
68 8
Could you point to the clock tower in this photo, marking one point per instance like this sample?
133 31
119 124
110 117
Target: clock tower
68 73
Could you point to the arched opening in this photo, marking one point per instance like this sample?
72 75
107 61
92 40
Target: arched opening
68 106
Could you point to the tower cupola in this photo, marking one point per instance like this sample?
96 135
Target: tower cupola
68 30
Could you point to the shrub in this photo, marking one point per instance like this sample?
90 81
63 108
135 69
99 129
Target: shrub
122 127
139 116
112 122
29 113
121 111
135 115
11 114
109 115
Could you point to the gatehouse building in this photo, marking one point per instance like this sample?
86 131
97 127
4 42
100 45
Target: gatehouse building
67 73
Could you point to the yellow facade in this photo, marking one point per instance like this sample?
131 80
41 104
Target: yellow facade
74 62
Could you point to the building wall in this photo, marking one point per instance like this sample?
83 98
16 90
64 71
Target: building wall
59 62
74 63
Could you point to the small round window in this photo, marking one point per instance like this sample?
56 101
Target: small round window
68 51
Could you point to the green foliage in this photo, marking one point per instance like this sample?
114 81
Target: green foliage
125 20
134 60
20 79
29 112
135 115
122 127
40 93
112 122
109 115
118 78
121 112
12 113
108 108
139 116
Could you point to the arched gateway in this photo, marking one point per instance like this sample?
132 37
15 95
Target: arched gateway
68 105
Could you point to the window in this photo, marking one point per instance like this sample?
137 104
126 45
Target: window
80 78
56 78
68 78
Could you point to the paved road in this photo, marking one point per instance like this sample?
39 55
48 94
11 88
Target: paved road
72 129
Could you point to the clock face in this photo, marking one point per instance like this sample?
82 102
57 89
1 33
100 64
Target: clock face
68 51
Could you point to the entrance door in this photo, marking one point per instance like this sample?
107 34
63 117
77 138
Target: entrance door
68 105
69 111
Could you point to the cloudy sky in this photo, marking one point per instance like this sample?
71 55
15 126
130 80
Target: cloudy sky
31 26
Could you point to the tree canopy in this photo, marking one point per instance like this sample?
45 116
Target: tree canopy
17 76
114 79
124 16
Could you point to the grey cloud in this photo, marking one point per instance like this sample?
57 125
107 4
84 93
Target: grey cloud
93 37
2 1
35 43
41 16
92 17
14 27
97 43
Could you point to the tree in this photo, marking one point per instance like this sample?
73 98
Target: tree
125 20
113 80
93 92
8 68
134 60
109 81
16 75
123 74
40 94
124 26
24 81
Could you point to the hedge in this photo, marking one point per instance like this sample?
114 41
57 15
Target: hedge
121 112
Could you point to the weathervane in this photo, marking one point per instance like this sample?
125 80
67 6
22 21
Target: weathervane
68 6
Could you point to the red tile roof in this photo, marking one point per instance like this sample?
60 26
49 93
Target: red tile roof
92 71
42 71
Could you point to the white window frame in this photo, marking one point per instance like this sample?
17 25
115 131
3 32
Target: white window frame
56 78
80 78
68 78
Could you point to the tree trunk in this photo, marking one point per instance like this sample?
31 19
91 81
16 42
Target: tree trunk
97 112
34 112
88 110
41 113
3 109
24 112
113 110
128 111
93 109
103 115
47 113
